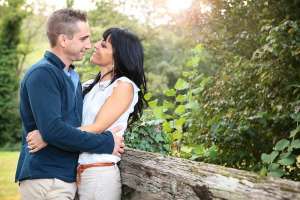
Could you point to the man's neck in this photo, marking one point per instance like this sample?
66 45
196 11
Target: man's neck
62 57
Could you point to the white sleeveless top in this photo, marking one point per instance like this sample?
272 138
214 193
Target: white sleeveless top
92 103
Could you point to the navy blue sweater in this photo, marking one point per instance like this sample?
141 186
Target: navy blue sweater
49 103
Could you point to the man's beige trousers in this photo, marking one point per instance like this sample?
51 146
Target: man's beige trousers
47 189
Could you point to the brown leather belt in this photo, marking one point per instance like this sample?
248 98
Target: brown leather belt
81 168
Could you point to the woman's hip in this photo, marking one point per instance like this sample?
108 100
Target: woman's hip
103 182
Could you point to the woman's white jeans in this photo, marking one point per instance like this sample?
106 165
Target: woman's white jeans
100 183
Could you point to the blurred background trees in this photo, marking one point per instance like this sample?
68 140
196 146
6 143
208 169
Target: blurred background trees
9 60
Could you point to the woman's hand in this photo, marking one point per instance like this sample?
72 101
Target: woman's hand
35 141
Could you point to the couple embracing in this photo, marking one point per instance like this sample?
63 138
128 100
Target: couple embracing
73 134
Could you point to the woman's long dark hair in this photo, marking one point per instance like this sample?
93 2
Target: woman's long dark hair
128 56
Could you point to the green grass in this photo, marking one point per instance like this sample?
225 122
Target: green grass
8 163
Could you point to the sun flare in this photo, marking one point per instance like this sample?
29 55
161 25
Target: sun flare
176 6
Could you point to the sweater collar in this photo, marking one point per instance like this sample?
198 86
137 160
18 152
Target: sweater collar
56 61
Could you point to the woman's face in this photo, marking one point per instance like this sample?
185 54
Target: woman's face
103 53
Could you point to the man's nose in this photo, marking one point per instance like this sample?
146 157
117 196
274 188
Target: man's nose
88 44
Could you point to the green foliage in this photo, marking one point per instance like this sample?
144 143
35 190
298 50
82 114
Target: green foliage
165 55
11 24
146 134
176 111
9 119
87 72
281 43
232 28
284 160
9 39
202 60
247 105
8 146
70 3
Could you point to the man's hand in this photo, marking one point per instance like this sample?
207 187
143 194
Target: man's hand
119 141
35 141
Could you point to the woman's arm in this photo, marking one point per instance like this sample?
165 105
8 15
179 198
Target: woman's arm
112 109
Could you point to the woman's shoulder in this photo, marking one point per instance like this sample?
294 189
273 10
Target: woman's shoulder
126 80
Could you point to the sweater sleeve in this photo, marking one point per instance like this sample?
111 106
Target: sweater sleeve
43 91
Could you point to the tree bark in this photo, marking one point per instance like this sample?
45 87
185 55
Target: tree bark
153 176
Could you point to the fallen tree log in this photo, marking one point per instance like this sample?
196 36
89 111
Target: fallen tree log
153 176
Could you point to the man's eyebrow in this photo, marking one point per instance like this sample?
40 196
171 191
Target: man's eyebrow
84 37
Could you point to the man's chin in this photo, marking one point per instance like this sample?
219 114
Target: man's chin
78 58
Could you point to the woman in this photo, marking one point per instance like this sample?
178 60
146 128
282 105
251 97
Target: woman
111 98
115 96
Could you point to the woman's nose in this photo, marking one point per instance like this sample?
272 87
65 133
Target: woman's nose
97 45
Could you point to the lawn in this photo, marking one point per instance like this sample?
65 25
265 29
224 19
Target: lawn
8 188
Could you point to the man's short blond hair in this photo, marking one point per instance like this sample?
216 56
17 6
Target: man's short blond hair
63 21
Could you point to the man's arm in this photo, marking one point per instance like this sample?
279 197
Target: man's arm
45 100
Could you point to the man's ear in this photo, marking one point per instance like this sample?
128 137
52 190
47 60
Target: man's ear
62 40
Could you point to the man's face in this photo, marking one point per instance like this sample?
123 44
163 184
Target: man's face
77 46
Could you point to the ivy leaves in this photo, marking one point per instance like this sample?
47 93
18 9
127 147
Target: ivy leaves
280 161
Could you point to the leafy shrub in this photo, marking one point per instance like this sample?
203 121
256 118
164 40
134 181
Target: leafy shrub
146 134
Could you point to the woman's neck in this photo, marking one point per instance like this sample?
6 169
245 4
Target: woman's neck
106 74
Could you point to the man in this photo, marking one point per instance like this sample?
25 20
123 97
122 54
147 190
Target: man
51 101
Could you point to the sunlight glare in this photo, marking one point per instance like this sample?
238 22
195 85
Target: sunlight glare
3 2
176 6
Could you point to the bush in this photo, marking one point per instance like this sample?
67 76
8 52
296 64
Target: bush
245 110
146 135
9 40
